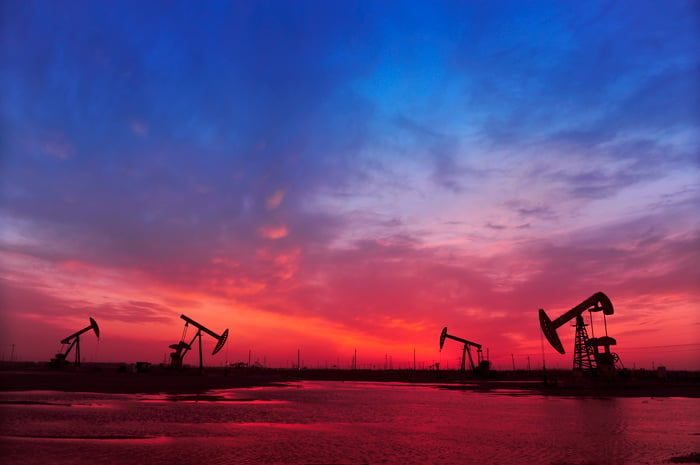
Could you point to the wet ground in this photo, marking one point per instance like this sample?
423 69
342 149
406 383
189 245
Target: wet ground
346 422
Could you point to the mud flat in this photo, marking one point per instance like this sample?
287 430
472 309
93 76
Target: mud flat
114 380
601 388
125 383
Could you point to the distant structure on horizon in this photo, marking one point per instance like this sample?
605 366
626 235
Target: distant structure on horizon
73 341
181 348
482 366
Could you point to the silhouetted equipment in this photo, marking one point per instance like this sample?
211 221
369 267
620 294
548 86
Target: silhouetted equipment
182 347
603 361
74 341
594 303
583 353
483 365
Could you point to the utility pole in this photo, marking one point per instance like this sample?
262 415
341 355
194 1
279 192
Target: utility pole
414 359
200 354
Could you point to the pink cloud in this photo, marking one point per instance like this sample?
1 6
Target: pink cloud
391 294
273 232
275 199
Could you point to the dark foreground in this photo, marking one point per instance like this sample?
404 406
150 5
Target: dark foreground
337 422
159 380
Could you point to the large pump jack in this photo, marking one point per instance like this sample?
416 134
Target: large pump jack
483 365
182 347
74 341
591 355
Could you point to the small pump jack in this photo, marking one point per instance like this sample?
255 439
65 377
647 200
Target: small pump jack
483 365
182 347
74 341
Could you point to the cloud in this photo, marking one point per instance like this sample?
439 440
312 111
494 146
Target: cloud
134 312
274 232
528 211
441 151
382 175
26 301
275 199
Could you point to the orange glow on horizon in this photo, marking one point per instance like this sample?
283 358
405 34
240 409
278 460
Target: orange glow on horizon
275 319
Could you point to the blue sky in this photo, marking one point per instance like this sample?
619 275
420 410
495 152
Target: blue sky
365 167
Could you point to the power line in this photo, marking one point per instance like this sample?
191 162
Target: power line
663 347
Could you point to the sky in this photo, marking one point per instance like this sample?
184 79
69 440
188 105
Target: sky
329 177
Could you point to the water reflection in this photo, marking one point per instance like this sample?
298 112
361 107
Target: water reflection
335 422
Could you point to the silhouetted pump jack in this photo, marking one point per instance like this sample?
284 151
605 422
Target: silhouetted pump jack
74 341
182 347
483 364
584 347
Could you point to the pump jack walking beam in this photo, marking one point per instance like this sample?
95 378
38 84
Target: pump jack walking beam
74 341
598 347
465 349
595 303
181 348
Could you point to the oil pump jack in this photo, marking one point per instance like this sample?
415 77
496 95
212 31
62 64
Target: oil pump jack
182 347
483 365
74 341
591 355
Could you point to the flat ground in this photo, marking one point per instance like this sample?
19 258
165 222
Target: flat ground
111 380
